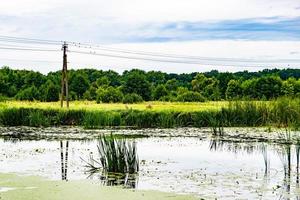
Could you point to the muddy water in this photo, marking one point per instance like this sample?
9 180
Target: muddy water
206 167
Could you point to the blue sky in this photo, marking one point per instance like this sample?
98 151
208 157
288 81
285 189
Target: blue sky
272 29
258 29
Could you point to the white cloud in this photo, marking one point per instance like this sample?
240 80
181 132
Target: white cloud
154 10
104 21
262 50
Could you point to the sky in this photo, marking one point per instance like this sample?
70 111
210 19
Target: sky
267 31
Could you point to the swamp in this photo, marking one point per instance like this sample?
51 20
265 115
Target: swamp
150 100
252 163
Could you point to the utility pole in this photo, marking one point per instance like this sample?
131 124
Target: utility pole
64 78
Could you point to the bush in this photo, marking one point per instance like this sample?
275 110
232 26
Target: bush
3 98
132 98
51 92
191 97
109 95
159 92
30 94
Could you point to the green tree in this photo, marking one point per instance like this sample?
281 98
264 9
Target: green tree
33 78
103 82
159 92
136 83
3 84
234 90
172 85
248 88
109 95
79 84
268 87
191 97
91 93
132 98
29 94
287 88
51 91
208 87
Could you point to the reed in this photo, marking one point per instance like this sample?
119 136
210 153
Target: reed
115 156
284 112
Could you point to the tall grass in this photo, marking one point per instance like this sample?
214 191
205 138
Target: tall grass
283 112
115 156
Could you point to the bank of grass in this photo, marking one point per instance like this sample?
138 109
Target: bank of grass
283 112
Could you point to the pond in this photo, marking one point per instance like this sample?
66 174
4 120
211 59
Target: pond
207 167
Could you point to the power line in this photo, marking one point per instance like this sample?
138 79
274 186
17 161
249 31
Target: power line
176 56
28 40
20 46
28 49
21 60
127 54
158 60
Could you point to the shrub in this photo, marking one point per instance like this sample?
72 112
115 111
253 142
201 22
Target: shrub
159 92
30 94
132 98
109 95
191 97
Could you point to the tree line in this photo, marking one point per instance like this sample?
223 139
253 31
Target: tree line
137 85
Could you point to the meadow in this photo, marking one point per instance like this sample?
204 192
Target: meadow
93 106
283 112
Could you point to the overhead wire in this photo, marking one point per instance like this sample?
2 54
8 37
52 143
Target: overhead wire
29 40
176 56
159 60
13 43
25 60
28 49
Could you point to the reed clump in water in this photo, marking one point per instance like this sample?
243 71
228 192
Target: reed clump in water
115 156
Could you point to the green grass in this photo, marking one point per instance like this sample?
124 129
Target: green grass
283 112
93 106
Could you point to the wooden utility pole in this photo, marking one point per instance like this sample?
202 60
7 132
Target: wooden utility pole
64 78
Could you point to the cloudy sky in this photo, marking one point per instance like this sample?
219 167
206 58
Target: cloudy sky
263 33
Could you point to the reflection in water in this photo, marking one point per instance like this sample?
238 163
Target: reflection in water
217 144
64 160
222 168
284 153
116 179
266 158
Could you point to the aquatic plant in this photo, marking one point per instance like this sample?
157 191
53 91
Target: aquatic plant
115 156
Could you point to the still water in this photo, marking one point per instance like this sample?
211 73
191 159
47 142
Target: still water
206 167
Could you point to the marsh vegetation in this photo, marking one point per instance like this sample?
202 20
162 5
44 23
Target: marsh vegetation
114 156
284 112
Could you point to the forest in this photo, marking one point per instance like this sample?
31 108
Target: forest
137 85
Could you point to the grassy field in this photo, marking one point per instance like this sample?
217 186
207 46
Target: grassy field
284 112
93 106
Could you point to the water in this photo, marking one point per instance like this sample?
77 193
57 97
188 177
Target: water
206 167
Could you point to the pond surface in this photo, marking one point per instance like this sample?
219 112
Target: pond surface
206 167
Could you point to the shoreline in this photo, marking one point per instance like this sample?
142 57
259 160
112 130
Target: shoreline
19 187
238 134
